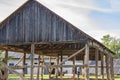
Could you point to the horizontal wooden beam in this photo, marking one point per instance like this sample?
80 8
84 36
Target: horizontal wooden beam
53 66
57 42
13 50
101 48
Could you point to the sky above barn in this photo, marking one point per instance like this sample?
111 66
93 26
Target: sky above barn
94 17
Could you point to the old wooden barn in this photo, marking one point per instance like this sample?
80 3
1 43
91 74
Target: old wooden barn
34 29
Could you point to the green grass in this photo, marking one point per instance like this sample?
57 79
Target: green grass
117 77
13 76
46 77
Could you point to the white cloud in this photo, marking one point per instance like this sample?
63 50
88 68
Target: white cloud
115 4
9 6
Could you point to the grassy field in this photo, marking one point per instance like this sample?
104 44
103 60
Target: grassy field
117 77
46 77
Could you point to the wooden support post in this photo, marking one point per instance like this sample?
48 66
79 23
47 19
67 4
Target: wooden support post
112 68
96 61
6 57
42 69
107 67
74 58
61 59
24 61
50 67
83 72
6 60
38 67
102 65
86 63
57 70
32 61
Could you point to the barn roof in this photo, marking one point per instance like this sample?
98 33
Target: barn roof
35 23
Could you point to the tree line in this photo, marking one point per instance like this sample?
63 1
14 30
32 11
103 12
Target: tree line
112 43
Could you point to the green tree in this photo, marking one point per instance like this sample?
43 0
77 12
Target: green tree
1 58
106 40
112 43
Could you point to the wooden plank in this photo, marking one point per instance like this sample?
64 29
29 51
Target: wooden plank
45 66
16 50
24 61
96 61
74 54
86 62
52 27
107 66
74 67
32 61
109 62
61 68
105 50
38 71
112 68
50 67
42 69
13 71
102 65
6 60
22 58
57 70
83 72
6 57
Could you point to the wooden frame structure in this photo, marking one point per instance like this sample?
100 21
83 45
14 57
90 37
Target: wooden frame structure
34 29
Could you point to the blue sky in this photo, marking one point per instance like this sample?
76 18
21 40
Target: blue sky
95 17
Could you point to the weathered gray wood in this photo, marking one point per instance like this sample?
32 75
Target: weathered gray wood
42 68
57 70
102 65
50 67
41 25
34 23
65 66
38 71
32 61
109 70
83 72
101 48
22 58
6 57
15 72
86 62
112 68
24 62
6 60
61 68
74 59
96 61
74 54
107 67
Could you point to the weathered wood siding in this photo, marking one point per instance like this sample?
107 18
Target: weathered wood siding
36 23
